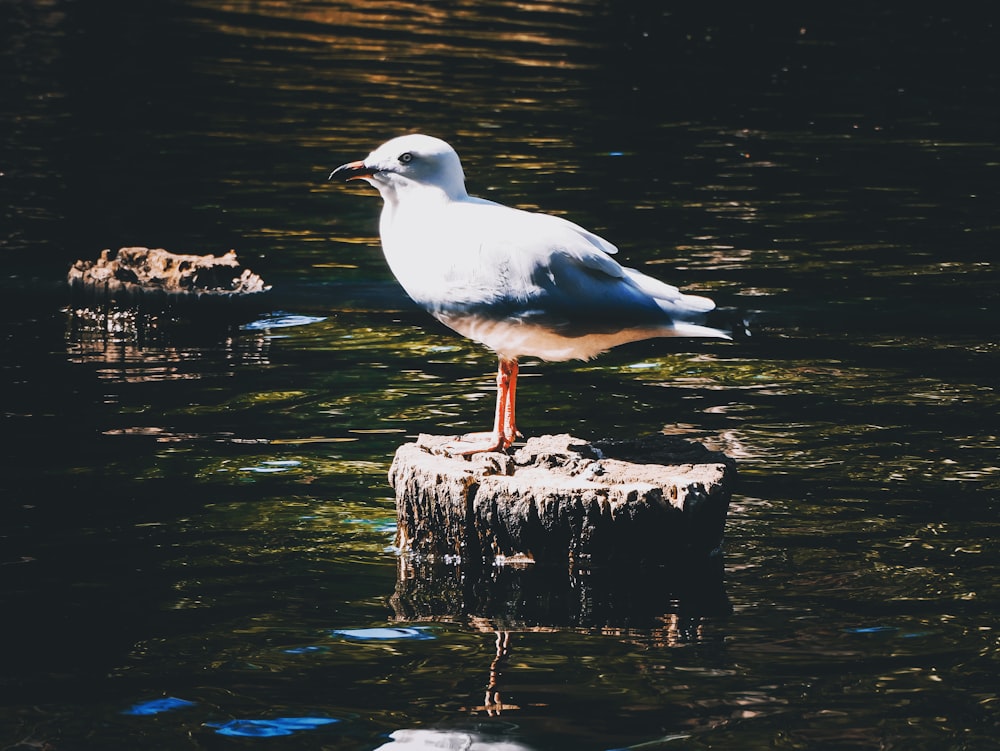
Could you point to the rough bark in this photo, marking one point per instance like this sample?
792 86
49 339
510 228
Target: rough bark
561 499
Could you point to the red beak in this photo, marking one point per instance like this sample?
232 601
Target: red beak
352 171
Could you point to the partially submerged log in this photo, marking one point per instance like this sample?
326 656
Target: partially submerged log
154 279
561 499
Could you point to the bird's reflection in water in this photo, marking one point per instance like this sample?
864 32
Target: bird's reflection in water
493 702
658 607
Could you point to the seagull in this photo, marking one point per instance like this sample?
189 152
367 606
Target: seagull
524 284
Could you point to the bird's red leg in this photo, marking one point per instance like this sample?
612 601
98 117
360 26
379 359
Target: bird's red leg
509 428
504 431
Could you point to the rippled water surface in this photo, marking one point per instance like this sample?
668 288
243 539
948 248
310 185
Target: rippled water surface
195 522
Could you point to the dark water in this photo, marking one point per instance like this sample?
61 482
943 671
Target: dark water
193 512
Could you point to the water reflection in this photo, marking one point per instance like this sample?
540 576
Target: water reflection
131 346
613 600
653 607
459 740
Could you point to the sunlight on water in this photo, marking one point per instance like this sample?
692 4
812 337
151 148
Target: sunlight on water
197 528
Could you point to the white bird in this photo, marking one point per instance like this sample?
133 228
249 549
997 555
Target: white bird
522 283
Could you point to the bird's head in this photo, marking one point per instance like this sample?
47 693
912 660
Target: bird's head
406 162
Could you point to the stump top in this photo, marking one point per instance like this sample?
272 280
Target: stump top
562 464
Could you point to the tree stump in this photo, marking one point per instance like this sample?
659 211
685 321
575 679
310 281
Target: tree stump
153 280
560 499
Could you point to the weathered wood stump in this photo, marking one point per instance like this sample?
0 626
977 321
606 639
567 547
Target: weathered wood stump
560 499
154 279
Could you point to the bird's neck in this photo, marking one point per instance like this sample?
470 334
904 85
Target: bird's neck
402 191
410 201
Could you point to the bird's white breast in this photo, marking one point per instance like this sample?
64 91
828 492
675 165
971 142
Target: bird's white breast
436 247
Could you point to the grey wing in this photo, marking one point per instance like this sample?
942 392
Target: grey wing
542 270
576 297
578 289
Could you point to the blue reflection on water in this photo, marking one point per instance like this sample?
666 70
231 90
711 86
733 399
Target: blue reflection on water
281 320
156 706
269 728
384 634
871 630
271 466
304 650
887 630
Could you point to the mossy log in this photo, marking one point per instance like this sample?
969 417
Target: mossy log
154 279
561 499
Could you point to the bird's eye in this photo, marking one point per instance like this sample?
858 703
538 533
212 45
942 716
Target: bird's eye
405 158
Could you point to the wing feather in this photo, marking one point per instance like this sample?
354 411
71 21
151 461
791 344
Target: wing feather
520 266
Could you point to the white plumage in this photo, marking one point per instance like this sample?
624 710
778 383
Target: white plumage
522 283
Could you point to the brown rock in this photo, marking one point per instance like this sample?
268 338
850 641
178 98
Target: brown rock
156 278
